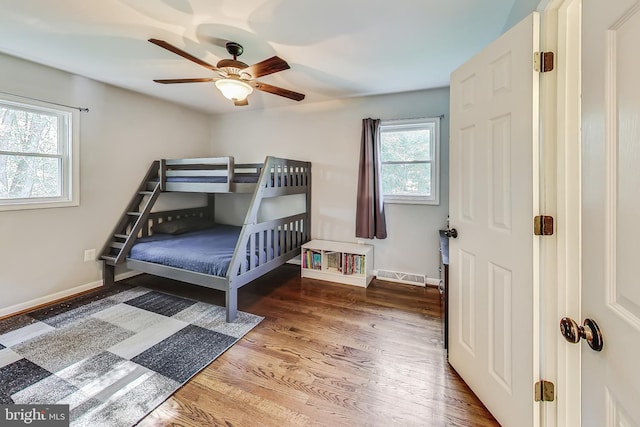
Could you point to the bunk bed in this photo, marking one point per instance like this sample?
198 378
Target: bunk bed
188 245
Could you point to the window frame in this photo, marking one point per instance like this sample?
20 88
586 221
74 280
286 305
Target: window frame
68 145
408 124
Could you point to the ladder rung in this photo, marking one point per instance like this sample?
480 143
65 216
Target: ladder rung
116 245
121 236
145 193
134 213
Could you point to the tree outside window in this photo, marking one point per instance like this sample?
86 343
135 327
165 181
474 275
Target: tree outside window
409 158
35 156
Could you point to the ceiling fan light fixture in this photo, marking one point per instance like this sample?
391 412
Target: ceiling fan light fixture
233 89
236 80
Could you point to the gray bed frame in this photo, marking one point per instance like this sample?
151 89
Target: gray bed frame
276 177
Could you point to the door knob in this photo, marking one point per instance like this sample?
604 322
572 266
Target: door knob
453 233
589 330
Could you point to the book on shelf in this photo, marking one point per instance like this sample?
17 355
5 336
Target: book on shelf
312 259
354 264
334 261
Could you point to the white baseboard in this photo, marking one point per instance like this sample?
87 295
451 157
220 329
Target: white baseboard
297 260
433 282
48 298
7 311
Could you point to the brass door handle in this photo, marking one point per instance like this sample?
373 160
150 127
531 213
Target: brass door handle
589 330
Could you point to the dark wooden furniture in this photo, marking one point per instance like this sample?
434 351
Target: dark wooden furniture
272 180
444 291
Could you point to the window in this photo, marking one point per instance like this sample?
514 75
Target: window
38 155
409 152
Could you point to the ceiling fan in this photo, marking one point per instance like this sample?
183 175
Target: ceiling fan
235 79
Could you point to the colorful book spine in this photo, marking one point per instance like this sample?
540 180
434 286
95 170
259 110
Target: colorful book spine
317 261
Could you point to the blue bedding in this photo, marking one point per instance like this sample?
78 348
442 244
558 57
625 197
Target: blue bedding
206 251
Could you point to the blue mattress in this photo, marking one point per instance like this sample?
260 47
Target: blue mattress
206 251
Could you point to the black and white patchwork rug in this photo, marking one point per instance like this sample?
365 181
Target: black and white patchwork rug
113 356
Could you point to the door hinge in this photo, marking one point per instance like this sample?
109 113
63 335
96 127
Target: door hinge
544 391
543 225
543 61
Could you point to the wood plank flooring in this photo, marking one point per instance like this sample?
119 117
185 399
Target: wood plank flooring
325 355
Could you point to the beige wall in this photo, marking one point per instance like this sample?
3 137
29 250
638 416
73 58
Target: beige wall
41 251
328 135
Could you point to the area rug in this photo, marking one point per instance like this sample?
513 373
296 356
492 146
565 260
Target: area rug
113 356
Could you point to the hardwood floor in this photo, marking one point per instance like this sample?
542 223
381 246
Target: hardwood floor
327 355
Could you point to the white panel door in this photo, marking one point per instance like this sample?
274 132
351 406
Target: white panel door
493 334
611 210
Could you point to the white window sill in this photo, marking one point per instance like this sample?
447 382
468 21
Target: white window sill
410 201
24 205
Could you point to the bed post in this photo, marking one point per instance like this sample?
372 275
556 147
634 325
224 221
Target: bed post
232 302
162 174
108 274
211 206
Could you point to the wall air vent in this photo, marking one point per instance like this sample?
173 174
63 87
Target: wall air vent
402 277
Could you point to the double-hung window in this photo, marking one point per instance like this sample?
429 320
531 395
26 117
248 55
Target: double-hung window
38 155
409 153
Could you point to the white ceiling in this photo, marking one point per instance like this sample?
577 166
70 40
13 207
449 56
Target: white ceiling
336 48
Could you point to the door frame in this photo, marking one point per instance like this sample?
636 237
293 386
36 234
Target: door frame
561 280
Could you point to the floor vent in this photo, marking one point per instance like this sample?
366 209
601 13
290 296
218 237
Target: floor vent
400 277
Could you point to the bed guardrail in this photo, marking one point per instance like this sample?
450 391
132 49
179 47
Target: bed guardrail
266 243
275 240
208 175
182 174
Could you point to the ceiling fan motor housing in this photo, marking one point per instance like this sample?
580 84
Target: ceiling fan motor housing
234 49
231 63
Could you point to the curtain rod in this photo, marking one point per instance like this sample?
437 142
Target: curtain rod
81 109
413 118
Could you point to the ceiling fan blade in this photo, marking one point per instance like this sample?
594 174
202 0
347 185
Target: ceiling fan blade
268 66
171 48
241 103
279 91
171 81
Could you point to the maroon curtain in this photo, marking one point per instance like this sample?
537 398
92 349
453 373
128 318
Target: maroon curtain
370 221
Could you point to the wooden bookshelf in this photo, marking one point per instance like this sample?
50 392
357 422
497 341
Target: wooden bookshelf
341 262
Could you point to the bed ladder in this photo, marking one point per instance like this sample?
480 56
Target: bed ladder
134 219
